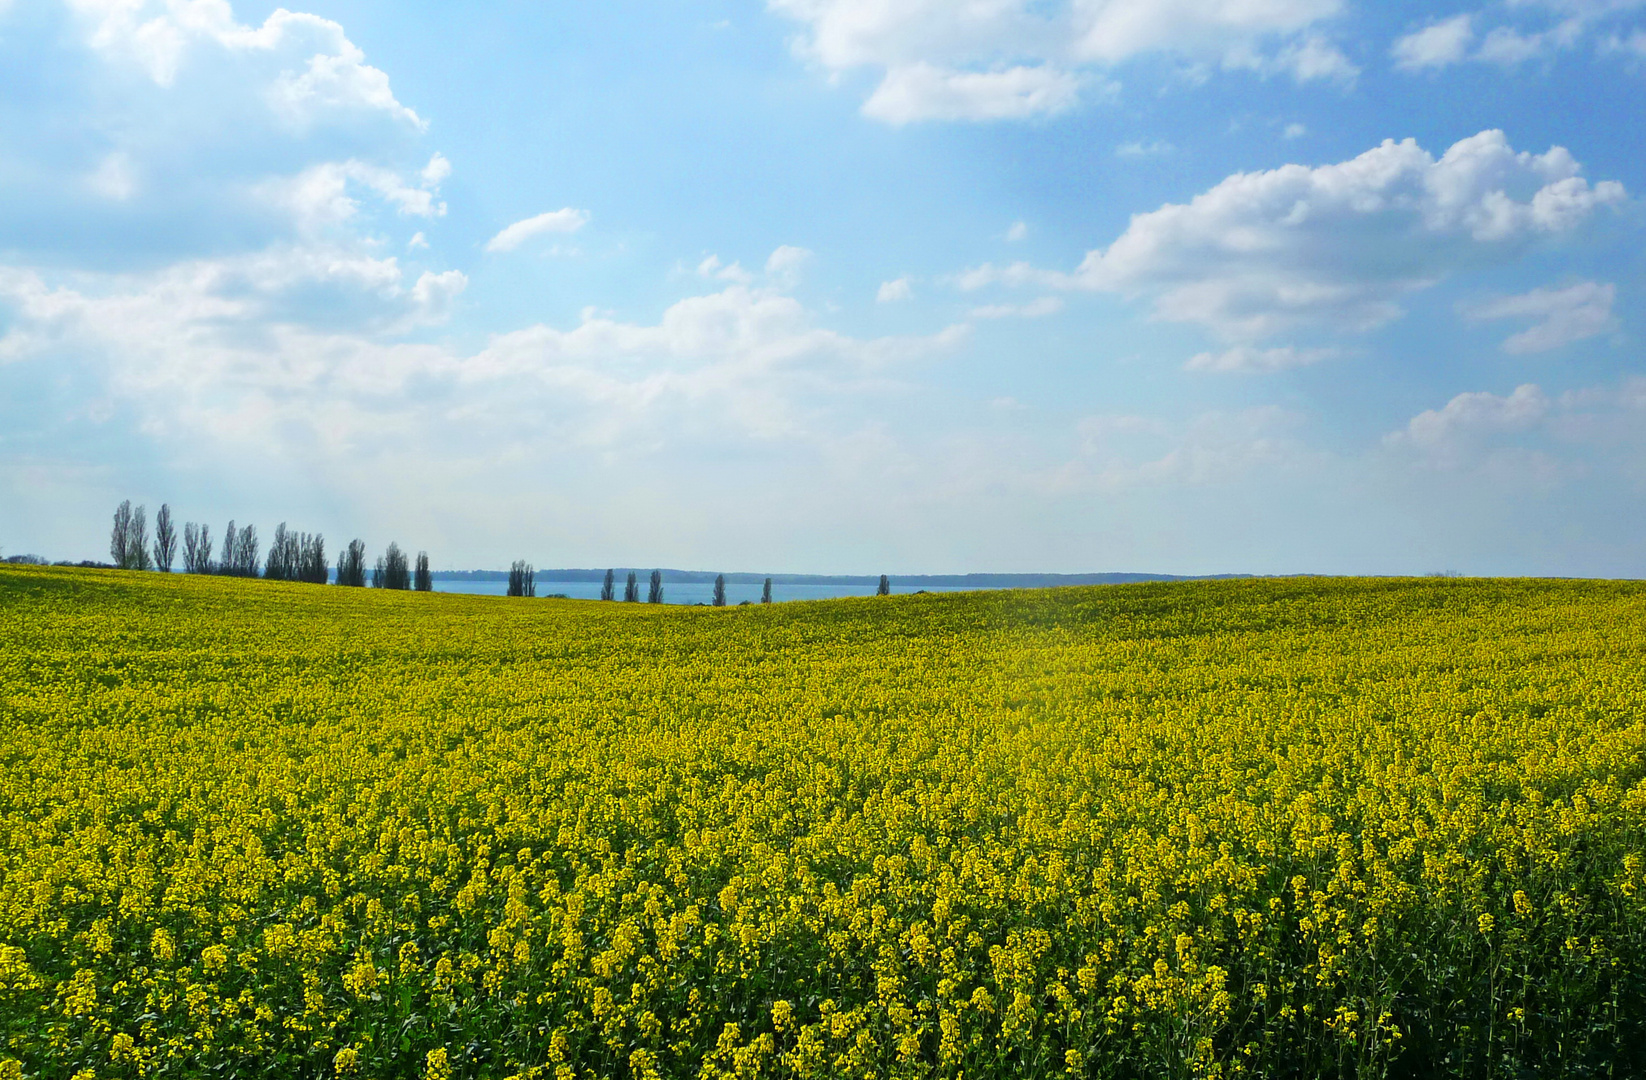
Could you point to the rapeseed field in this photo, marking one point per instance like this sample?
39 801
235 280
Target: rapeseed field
1294 828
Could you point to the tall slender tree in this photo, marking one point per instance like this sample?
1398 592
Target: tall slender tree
392 571
720 590
137 541
245 557
885 586
231 538
165 539
120 536
522 579
655 594
631 591
312 562
766 592
424 577
351 564
608 588
197 548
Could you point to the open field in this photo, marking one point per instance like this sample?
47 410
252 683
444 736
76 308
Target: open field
1297 828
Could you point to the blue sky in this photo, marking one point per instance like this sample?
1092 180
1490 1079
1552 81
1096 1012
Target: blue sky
834 285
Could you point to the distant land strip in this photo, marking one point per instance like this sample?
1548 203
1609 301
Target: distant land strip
980 581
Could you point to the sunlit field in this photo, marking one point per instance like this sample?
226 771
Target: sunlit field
1294 828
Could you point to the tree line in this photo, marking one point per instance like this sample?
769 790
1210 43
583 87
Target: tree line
292 556
301 556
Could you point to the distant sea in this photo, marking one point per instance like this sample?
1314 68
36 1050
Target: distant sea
697 586
689 592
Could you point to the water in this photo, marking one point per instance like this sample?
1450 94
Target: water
687 592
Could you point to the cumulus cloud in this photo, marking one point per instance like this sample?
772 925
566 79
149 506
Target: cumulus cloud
1339 244
785 264
325 195
711 267
315 68
1562 316
1435 46
1524 31
1016 59
892 292
564 222
924 91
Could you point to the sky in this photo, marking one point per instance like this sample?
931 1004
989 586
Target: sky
834 286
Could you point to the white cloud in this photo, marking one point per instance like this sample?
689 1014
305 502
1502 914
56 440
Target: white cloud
418 240
1034 309
1152 148
784 265
1015 59
893 291
320 196
1295 131
1019 231
1524 33
1435 46
319 70
115 178
1246 360
1474 414
1563 315
1335 244
711 267
926 92
564 221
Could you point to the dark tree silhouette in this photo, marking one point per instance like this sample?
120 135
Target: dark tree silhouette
720 590
245 552
608 588
631 591
766 592
424 578
885 586
351 564
197 548
165 540
120 536
137 542
391 571
225 565
311 560
522 579
283 555
655 594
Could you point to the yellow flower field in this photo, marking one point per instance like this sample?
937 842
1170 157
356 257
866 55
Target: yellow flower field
1278 828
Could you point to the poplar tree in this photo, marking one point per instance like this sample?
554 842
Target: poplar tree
655 595
425 579
885 586
120 535
720 590
165 540
522 579
197 548
766 592
351 564
631 591
608 588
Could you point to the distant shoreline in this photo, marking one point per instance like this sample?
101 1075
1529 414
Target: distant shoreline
981 581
